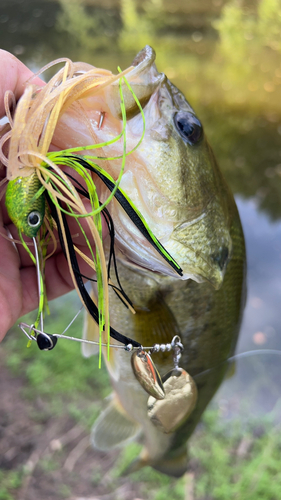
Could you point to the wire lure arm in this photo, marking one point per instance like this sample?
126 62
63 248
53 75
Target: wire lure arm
47 341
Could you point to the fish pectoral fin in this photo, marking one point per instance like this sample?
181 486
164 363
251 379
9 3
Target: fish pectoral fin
111 362
113 428
175 465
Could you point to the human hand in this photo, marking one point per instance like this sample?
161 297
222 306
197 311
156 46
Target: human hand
18 281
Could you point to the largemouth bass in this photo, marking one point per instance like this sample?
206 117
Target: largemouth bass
174 181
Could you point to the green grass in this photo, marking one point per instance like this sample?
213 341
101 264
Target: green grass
224 472
155 486
62 372
10 481
220 471
65 380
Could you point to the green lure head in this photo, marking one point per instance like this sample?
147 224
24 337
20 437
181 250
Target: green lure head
26 204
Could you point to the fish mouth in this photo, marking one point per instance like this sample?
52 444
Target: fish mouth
208 263
145 57
144 80
202 255
212 271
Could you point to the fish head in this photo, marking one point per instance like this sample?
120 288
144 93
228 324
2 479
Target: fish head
173 180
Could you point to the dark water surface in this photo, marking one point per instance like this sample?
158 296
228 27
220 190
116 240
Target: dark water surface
226 58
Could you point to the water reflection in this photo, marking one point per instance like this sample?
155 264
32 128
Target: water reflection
253 390
248 148
231 50
262 314
250 45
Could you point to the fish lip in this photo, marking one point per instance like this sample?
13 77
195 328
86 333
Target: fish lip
144 80
129 262
145 57
208 266
143 68
191 270
209 263
198 275
188 223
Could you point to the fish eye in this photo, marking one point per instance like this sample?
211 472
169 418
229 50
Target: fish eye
188 126
34 219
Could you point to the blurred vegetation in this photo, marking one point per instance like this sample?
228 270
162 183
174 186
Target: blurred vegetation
50 373
228 458
9 483
234 463
225 56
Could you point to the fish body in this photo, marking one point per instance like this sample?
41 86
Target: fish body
174 181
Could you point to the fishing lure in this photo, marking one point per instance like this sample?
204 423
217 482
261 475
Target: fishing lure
41 195
171 398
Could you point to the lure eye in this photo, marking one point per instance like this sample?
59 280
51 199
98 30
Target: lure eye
188 126
34 219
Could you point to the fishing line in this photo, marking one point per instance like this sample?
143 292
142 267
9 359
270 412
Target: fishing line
241 355
72 321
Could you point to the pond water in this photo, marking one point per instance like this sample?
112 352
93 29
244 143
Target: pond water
225 56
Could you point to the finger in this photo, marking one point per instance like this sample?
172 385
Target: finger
13 76
10 286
